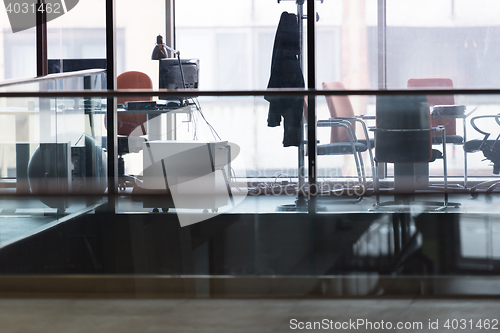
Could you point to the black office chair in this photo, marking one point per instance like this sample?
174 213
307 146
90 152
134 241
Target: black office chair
403 136
491 151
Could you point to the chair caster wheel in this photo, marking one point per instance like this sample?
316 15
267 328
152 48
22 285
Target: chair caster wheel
164 210
156 210
474 195
215 210
205 211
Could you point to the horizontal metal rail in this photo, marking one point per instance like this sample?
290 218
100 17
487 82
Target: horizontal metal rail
51 77
242 93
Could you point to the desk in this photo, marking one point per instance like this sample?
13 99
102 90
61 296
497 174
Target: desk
154 127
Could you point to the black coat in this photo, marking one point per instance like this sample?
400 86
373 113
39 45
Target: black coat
286 73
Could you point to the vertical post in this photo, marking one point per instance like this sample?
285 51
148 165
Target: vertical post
170 25
112 144
42 67
301 202
300 17
382 43
170 41
382 63
311 119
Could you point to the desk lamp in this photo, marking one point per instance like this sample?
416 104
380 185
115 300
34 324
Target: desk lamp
160 52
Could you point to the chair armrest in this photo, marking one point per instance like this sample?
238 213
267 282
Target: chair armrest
470 112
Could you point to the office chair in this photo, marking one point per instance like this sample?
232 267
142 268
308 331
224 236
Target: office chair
491 151
449 123
403 137
340 108
343 140
127 123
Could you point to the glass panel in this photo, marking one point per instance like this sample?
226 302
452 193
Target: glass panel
451 39
17 50
137 28
249 155
53 166
231 186
234 50
79 33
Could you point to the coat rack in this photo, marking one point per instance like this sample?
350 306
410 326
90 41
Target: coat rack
301 203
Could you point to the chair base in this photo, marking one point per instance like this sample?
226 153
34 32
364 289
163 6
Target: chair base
300 205
408 202
296 208
491 186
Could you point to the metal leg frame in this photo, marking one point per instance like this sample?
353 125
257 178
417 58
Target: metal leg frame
491 183
441 205
338 122
370 153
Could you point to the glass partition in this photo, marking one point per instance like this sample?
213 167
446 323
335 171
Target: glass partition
446 40
215 193
213 182
53 165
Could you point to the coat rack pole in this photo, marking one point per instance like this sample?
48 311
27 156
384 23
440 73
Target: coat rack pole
301 201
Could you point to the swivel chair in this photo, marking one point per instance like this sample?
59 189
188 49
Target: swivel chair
341 110
449 123
491 151
343 140
127 123
403 137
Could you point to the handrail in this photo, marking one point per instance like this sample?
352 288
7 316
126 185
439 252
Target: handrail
248 93
50 77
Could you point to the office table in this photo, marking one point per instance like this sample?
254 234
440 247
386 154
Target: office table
154 127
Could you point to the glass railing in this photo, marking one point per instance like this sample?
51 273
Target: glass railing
207 189
52 165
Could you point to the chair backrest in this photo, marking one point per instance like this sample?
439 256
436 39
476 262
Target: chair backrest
126 123
402 112
450 124
339 106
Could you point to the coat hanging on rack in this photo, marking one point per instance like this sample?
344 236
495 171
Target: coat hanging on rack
286 73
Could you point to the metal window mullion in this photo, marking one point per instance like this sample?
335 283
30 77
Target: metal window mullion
311 117
111 115
42 67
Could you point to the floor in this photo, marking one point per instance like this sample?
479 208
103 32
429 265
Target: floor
126 315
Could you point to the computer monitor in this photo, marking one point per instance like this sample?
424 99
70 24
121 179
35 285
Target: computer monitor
170 73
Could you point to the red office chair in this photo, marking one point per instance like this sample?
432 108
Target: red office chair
127 123
132 80
450 124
